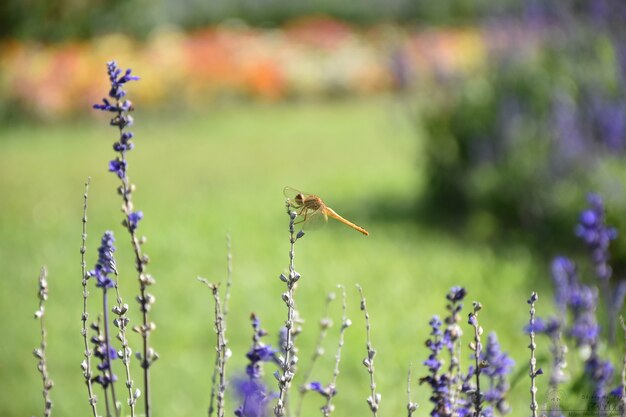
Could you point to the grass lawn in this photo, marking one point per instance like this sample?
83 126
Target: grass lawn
202 175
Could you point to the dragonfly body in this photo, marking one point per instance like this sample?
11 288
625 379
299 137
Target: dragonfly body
312 210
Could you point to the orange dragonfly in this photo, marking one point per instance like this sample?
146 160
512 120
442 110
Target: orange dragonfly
313 211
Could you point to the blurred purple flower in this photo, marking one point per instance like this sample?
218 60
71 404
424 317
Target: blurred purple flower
253 396
548 327
133 219
592 229
499 366
252 391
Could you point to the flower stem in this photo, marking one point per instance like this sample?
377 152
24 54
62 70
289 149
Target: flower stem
86 363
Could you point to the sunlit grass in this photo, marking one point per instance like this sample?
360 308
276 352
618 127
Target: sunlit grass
204 174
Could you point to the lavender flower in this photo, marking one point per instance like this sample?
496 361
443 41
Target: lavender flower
252 390
592 229
601 374
103 349
133 219
122 119
499 366
439 384
106 354
255 398
578 298
106 264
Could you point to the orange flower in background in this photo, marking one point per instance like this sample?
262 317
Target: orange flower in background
310 56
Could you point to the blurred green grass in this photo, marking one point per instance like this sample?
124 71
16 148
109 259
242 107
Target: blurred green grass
203 174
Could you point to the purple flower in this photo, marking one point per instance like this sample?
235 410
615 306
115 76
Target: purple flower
122 118
499 366
133 219
600 372
592 229
117 81
317 386
118 166
106 353
549 327
106 263
563 275
439 383
253 396
252 391
456 294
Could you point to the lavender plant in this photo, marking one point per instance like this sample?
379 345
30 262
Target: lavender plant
288 362
103 350
223 353
477 347
581 301
40 352
597 236
534 372
86 363
121 108
330 390
454 393
411 406
373 401
252 391
439 382
216 366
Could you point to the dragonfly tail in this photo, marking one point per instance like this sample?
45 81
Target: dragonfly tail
331 213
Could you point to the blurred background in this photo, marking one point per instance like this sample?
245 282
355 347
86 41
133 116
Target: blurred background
463 135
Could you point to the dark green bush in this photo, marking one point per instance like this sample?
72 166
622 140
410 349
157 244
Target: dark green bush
517 145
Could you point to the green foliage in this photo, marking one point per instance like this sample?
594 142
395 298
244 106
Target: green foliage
63 19
516 145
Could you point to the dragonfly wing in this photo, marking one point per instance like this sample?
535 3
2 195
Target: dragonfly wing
313 220
291 193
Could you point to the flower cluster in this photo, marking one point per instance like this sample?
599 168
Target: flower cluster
122 120
106 264
580 299
252 391
592 229
438 382
498 367
454 393
106 353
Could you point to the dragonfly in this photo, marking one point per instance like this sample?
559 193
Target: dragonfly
313 212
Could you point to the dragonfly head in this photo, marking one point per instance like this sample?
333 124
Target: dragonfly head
299 199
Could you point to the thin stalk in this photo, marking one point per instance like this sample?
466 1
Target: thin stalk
328 408
410 405
229 274
107 342
40 352
220 330
374 399
86 363
325 324
122 322
288 362
533 361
